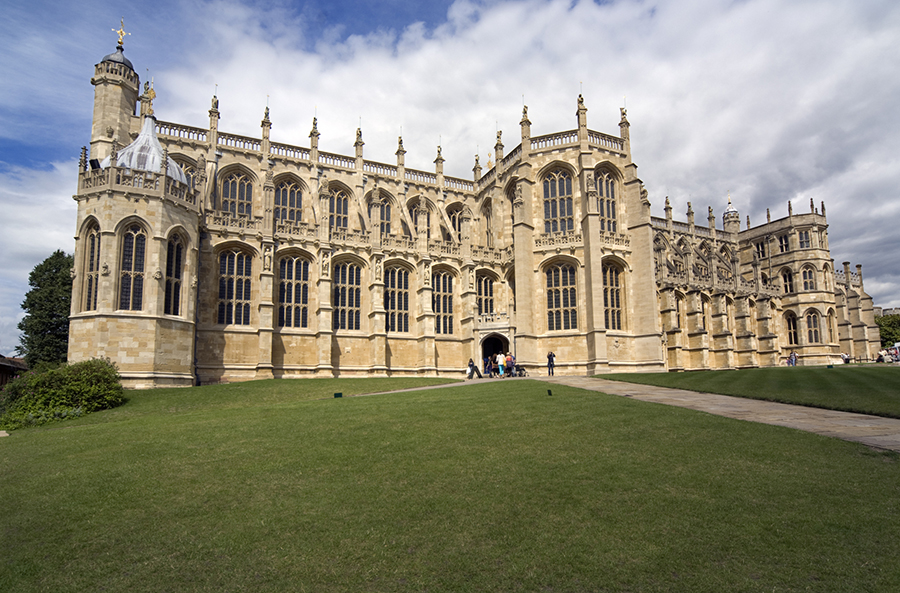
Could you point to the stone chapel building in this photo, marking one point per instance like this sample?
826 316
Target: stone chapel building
203 256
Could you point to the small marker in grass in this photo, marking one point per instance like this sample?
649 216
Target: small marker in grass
339 394
549 392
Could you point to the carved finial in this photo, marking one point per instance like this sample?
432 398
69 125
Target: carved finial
667 202
748 222
624 112
768 215
580 101
82 159
359 139
400 149
499 134
790 209
266 114
477 159
812 205
121 32
823 207
315 128
525 121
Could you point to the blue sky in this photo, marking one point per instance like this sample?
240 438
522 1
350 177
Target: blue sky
768 100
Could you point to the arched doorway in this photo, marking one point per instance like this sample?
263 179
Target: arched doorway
493 344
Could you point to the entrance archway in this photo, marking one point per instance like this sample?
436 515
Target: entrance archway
493 344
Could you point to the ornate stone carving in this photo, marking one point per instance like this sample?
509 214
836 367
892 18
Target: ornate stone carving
326 264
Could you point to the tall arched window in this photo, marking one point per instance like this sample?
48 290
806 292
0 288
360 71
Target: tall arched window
288 202
606 200
487 216
347 296
396 299
293 292
235 275
787 278
131 272
338 209
809 279
485 294
380 213
791 323
562 308
91 267
237 194
442 303
612 296
559 213
812 327
174 271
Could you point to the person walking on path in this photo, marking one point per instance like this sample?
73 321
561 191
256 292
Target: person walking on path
551 362
501 362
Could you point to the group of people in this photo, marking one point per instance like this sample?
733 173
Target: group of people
498 364
792 359
503 365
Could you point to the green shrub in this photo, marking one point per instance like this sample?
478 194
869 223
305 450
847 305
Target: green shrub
51 394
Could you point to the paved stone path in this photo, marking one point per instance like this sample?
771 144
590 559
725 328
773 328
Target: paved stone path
874 431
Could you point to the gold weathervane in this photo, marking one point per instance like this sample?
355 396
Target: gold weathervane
121 32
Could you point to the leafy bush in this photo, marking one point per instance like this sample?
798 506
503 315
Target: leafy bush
49 394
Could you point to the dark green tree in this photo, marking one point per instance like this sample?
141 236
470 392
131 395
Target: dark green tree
45 328
889 326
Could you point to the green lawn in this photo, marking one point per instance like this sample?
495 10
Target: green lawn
484 487
867 389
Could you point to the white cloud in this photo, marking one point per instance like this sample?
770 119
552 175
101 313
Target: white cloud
39 218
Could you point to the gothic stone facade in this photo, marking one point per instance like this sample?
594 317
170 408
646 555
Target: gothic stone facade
271 260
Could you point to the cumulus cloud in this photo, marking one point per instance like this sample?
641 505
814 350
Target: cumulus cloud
39 218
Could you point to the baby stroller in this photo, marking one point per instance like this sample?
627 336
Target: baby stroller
520 371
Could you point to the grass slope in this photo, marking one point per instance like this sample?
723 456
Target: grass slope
867 389
490 487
